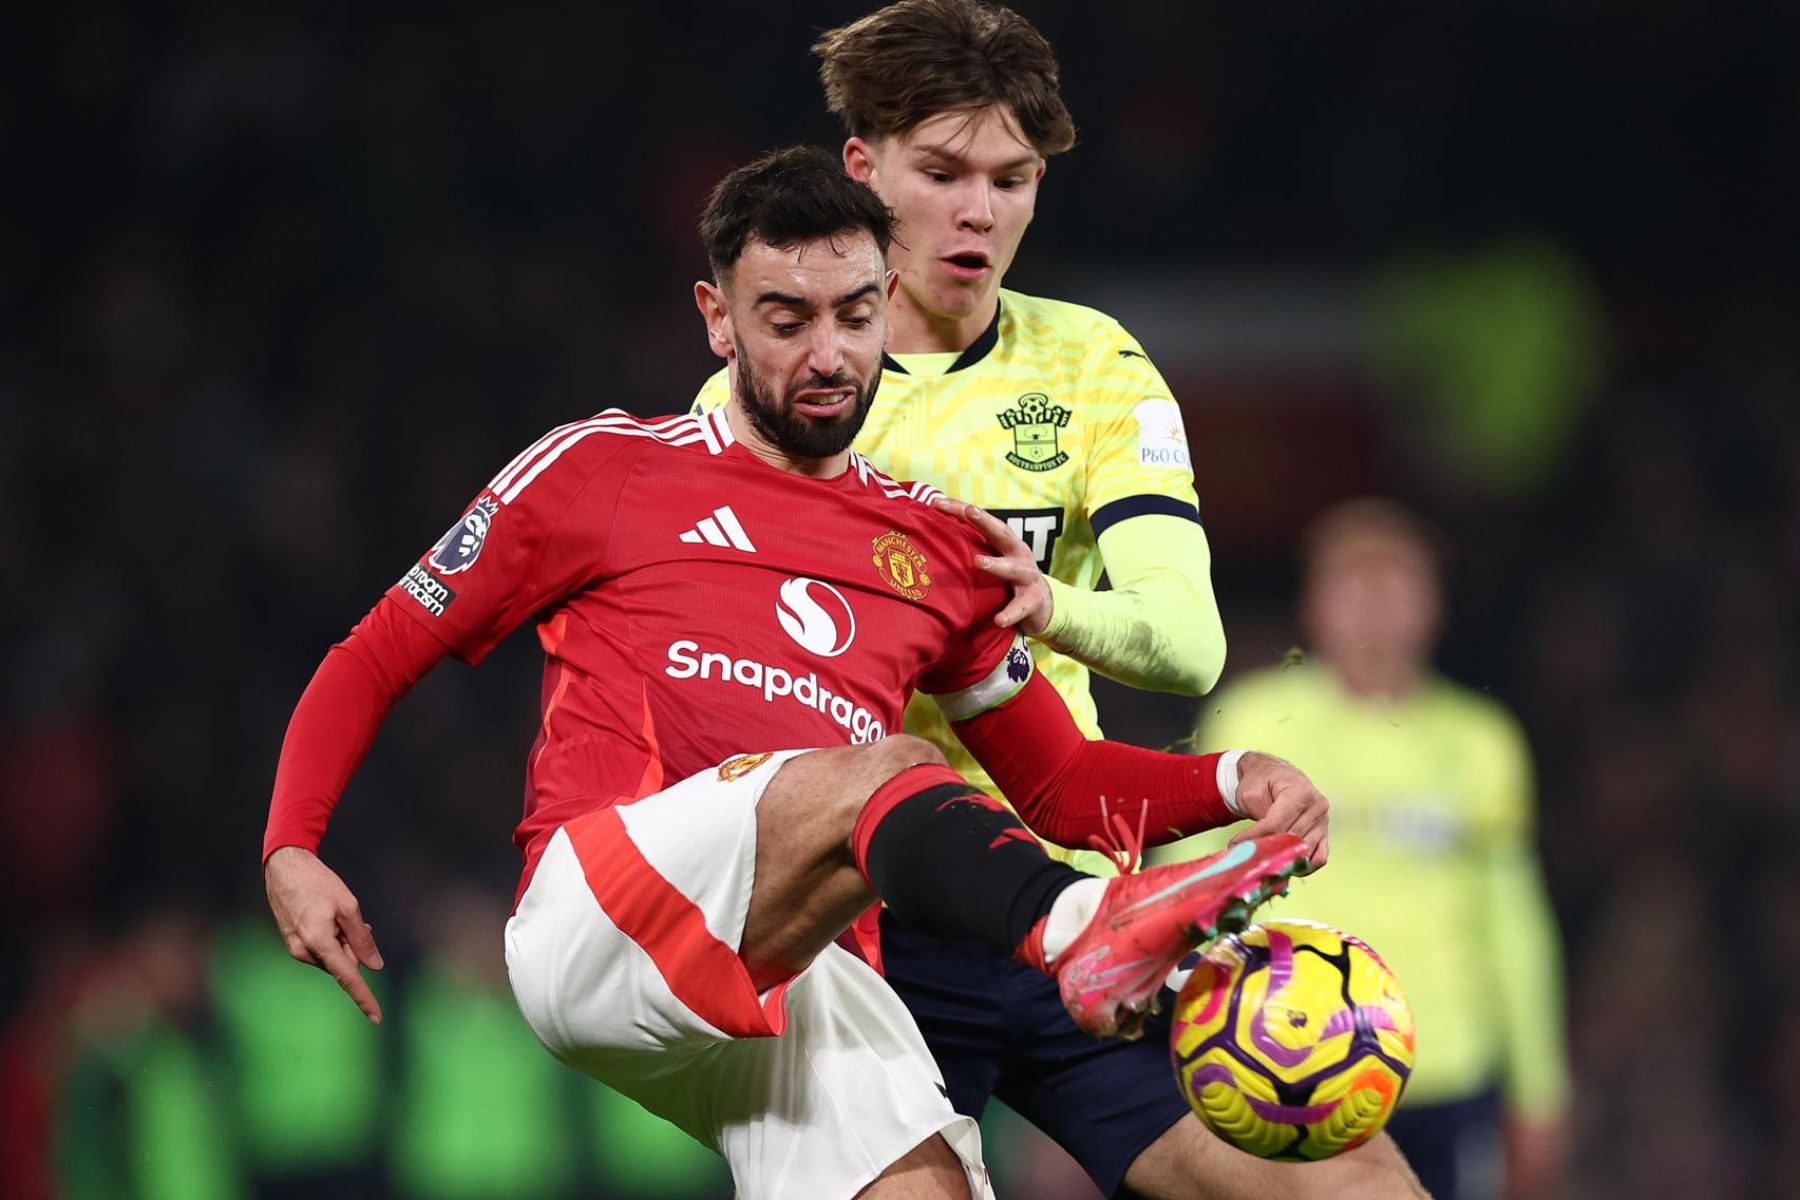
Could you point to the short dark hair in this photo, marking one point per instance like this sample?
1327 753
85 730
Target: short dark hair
908 62
787 197
1371 521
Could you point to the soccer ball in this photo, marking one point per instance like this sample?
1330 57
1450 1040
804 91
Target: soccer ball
1292 1040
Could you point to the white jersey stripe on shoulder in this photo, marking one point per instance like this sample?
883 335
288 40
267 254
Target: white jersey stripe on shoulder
624 427
499 482
632 430
548 450
555 438
671 424
885 482
711 438
721 426
869 473
521 456
682 425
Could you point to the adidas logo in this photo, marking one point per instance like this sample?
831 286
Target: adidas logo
720 529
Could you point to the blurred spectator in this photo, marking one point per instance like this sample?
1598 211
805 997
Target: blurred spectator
1431 860
481 1110
1499 351
33 1060
140 1114
305 1070
640 1156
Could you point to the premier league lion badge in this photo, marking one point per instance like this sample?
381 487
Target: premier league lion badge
458 549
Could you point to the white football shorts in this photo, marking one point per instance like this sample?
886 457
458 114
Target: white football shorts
623 958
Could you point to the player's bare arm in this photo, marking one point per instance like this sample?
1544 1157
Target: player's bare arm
1069 788
1191 1162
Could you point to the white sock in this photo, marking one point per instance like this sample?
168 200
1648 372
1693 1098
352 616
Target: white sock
1070 913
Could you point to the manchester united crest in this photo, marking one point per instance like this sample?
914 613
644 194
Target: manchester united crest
733 769
1034 424
901 564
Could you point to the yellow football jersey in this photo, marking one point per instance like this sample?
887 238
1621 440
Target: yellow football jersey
1055 421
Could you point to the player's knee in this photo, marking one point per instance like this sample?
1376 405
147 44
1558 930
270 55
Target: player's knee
903 750
878 763
930 1169
849 776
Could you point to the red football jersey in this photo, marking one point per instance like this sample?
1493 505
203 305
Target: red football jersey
695 603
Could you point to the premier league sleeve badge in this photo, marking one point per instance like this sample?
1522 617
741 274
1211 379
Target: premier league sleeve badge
458 549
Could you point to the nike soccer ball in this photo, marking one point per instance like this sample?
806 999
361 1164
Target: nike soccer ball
1292 1040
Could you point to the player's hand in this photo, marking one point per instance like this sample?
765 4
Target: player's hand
1032 602
1279 798
322 923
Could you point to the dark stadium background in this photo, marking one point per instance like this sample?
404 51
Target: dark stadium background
280 286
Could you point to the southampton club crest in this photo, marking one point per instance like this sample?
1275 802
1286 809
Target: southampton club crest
458 549
1034 424
901 565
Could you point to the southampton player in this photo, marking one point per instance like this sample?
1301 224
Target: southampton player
709 592
1050 417
1435 862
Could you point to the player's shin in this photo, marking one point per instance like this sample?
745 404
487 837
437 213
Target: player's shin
952 862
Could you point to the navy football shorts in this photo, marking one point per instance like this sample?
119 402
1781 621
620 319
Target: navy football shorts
998 1028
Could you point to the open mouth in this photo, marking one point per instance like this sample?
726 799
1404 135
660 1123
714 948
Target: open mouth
822 405
966 266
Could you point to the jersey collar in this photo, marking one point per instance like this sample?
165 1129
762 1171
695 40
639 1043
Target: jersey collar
978 349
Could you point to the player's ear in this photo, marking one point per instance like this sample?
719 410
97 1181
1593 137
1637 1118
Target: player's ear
859 160
711 302
893 283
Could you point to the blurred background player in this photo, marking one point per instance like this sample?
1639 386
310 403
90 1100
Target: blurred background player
1050 417
1432 860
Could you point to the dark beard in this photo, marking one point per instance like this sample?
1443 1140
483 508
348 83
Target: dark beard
804 437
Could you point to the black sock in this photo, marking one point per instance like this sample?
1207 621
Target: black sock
952 862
